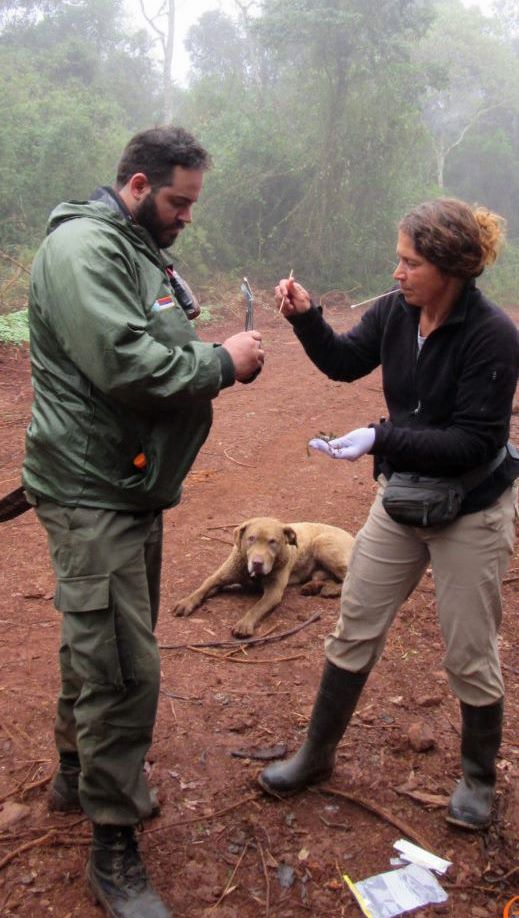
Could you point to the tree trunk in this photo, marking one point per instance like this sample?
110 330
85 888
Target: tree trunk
167 82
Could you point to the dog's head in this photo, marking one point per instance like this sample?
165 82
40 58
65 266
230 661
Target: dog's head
264 544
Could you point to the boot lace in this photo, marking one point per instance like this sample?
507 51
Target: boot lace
128 869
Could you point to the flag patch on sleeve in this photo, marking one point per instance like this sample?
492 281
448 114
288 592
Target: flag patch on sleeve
163 302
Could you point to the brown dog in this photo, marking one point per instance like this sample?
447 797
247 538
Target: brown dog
274 554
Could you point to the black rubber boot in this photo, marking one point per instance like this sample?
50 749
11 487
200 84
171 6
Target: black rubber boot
471 803
336 701
117 876
63 792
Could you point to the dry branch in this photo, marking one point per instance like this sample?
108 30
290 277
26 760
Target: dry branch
246 642
226 658
267 881
228 887
402 826
204 817
27 846
237 461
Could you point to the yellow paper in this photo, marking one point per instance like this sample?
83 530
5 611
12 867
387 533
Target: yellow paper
360 899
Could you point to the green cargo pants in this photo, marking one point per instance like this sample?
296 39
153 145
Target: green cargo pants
107 565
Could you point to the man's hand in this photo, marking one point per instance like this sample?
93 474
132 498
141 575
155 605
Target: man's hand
351 446
291 298
247 354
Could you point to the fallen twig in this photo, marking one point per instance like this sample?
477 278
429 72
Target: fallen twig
404 827
223 526
423 797
26 847
245 642
207 538
205 817
225 658
267 881
19 785
179 697
51 836
207 653
228 887
35 784
336 825
263 693
504 878
237 461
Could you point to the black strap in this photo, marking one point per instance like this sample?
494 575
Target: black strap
472 479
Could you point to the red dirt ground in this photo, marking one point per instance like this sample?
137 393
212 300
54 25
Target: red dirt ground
220 847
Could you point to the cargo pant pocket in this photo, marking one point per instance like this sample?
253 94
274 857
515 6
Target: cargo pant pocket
89 628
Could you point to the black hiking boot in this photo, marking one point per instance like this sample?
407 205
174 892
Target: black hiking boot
336 701
63 792
117 876
471 803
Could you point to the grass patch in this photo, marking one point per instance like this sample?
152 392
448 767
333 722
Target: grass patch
205 314
14 327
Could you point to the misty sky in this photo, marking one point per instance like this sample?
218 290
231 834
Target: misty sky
189 11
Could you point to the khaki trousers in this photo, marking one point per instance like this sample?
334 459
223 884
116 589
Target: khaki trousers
107 566
469 558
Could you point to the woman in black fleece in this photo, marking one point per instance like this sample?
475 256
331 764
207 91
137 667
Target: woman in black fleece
450 363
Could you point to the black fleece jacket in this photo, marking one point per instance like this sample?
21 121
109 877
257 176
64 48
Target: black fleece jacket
449 405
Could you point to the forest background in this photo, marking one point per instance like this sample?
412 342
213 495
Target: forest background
326 121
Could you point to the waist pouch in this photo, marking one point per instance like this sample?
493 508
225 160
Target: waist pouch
420 500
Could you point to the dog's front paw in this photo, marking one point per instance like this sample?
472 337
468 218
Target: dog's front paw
184 608
330 589
311 588
244 628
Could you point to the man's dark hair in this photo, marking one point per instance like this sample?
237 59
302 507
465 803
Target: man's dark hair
157 151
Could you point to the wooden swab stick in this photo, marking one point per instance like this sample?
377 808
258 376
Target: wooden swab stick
372 298
290 276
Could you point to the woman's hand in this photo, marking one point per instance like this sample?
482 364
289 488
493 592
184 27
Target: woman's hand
351 446
291 298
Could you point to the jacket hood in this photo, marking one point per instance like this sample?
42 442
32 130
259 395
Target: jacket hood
105 214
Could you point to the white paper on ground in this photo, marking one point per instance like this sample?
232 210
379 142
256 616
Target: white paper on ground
420 856
397 891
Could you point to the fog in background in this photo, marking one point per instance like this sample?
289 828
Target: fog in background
326 121
188 13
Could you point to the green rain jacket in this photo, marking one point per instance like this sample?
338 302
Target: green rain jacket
117 368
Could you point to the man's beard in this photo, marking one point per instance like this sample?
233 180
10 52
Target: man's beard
146 215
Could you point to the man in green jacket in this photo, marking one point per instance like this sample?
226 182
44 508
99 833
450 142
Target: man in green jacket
123 392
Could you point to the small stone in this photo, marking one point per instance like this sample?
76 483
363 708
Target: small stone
429 701
286 876
11 813
421 737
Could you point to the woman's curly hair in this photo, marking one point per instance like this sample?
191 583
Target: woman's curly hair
459 239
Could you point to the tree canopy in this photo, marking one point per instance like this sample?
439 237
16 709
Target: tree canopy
326 121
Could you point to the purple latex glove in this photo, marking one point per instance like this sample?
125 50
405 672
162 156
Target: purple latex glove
351 446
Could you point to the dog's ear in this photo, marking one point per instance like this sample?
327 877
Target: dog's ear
238 533
290 535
